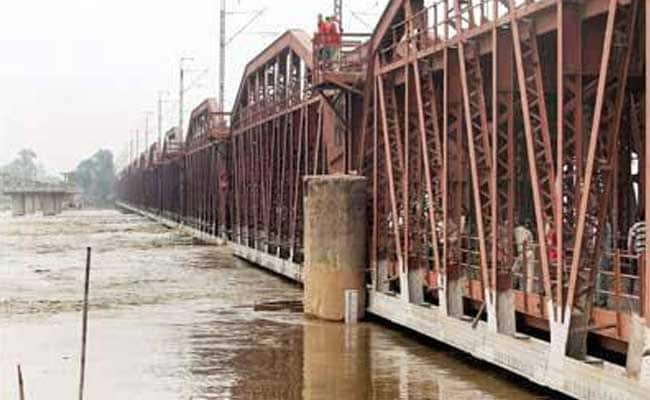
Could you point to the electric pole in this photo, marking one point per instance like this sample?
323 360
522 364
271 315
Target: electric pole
338 13
147 114
181 90
160 101
180 104
223 44
222 54
146 132
137 143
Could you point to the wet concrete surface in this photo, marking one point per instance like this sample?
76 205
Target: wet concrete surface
172 319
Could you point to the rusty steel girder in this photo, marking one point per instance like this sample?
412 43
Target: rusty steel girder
496 68
502 141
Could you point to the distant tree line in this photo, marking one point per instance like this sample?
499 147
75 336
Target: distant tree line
95 177
26 167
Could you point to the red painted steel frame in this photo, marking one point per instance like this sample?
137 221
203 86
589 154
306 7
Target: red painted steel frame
454 133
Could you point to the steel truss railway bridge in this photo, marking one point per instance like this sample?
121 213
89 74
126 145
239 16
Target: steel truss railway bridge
504 143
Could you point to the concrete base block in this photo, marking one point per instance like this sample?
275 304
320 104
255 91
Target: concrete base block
455 298
416 283
559 337
383 284
335 230
491 310
505 312
403 285
282 267
638 351
528 358
576 345
442 294
195 233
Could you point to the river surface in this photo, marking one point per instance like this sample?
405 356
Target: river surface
172 319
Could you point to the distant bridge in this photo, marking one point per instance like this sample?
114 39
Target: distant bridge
30 196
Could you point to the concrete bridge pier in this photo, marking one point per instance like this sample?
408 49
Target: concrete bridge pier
51 203
335 234
27 203
31 203
58 204
18 205
48 205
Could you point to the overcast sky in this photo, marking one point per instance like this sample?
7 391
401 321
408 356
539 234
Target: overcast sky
79 75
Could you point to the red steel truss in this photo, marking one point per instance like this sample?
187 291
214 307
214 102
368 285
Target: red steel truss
503 164
504 144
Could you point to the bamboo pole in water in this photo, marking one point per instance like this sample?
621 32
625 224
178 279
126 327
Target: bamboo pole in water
21 386
84 326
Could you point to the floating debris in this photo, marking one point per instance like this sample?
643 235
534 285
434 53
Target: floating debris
282 305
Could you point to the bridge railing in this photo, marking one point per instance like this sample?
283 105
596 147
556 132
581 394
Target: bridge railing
619 284
269 106
439 22
347 57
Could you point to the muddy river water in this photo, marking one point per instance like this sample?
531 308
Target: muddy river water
172 319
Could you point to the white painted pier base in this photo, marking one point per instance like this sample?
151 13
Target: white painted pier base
527 357
205 237
267 261
272 263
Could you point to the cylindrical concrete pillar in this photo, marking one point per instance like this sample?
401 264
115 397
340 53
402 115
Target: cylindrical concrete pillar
335 244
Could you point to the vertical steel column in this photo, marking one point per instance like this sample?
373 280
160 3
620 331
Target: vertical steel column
504 163
603 145
538 142
480 154
296 201
455 183
390 149
406 179
570 135
282 178
646 172
427 118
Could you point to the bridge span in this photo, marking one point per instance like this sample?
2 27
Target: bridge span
28 196
504 143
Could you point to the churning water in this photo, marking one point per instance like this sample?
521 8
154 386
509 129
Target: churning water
172 319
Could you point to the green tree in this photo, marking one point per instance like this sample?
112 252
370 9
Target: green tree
96 175
24 166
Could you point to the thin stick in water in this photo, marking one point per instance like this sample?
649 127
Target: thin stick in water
84 327
21 386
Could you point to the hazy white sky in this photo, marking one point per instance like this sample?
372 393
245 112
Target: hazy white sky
79 75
